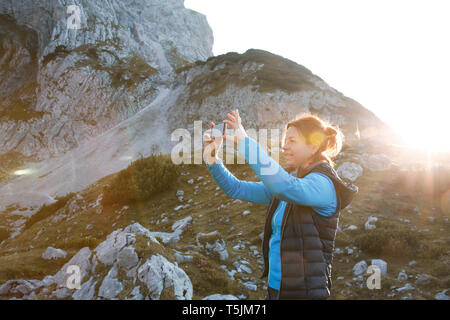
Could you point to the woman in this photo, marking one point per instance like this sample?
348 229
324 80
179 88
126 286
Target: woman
304 202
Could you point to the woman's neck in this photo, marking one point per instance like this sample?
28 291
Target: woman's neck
306 167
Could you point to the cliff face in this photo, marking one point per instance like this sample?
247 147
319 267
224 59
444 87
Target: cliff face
60 86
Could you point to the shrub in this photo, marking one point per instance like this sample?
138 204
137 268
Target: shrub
47 210
142 179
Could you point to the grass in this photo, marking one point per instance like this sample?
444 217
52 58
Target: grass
389 240
4 234
78 243
47 210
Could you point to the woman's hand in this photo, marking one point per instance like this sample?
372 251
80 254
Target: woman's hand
212 147
236 124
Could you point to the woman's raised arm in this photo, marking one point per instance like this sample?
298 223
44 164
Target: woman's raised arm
316 189
250 191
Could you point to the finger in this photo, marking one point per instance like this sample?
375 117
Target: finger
231 117
231 124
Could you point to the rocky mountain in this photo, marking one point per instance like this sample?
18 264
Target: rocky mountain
78 106
62 86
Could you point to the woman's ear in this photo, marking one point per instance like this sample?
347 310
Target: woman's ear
314 149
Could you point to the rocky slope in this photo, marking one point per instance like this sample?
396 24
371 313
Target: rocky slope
78 106
208 245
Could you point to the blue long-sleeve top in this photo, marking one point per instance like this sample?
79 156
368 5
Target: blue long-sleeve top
315 190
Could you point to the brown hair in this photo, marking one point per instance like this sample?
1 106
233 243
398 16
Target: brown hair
318 132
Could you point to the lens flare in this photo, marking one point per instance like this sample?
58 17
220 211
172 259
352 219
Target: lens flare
445 203
316 138
22 172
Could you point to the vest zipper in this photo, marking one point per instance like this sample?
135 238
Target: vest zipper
281 240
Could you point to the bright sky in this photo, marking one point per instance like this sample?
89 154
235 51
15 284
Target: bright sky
393 57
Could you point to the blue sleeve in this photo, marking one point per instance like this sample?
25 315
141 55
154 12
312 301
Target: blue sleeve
315 189
244 190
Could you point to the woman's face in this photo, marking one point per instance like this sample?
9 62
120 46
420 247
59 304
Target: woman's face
296 151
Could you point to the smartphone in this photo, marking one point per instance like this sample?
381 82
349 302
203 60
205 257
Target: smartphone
218 130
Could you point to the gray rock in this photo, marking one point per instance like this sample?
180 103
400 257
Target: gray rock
380 264
175 236
402 276
406 287
442 295
135 294
375 162
107 251
351 227
250 286
86 291
183 258
82 260
360 268
423 279
369 225
62 293
127 258
110 287
350 171
52 254
218 296
157 273
219 247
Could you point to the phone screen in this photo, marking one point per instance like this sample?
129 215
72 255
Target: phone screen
218 130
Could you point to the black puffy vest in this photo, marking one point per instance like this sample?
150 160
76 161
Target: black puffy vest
307 242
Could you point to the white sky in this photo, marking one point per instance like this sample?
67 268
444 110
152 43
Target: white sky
393 57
